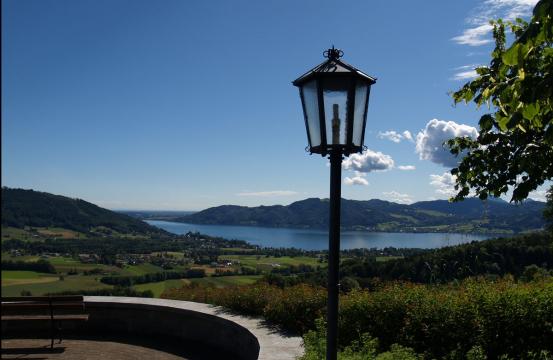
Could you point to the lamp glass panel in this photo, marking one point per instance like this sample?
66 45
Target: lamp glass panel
311 106
359 112
335 95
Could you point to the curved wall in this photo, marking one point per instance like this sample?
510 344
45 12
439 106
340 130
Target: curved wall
174 319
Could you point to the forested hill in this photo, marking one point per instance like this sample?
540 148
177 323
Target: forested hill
471 215
22 208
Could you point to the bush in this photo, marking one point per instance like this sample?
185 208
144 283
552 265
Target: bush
475 317
294 308
502 318
365 348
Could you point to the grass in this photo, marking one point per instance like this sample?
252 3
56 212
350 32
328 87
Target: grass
39 233
271 261
15 277
405 217
159 287
60 233
235 249
140 269
7 257
220 282
432 213
224 281
388 226
71 282
65 264
9 232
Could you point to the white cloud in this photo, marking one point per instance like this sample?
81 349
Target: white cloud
406 167
475 36
390 135
479 33
506 9
538 195
465 75
268 193
444 184
368 161
395 136
398 197
358 179
429 143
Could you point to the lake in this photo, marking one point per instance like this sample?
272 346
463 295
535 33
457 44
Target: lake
310 239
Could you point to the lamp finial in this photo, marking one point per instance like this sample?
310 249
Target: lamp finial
333 53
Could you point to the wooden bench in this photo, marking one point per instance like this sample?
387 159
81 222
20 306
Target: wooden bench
54 309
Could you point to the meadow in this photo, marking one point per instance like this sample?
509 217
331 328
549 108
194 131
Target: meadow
73 275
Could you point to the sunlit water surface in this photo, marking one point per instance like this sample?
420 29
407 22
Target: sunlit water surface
310 239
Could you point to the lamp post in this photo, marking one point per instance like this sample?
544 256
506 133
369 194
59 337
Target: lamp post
334 97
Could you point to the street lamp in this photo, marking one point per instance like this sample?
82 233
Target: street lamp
334 97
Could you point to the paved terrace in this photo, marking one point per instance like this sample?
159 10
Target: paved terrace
141 328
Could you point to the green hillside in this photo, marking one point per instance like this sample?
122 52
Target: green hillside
471 215
28 208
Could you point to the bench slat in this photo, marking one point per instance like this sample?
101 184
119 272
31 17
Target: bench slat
83 317
14 305
43 298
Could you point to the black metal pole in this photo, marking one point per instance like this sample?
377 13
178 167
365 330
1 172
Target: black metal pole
333 255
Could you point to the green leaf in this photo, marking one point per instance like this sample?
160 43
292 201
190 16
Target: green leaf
467 96
511 56
486 93
531 110
502 122
486 122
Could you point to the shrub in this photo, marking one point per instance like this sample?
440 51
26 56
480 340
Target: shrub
502 318
476 317
294 308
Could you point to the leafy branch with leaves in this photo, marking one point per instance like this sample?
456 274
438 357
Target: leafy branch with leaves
514 147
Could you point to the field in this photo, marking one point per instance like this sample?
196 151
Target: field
234 249
10 233
39 233
223 281
141 269
60 233
220 281
26 277
54 283
159 287
66 264
271 261
14 282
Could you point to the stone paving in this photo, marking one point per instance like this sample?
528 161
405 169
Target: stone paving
39 349
118 348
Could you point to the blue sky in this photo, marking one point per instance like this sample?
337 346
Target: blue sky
189 104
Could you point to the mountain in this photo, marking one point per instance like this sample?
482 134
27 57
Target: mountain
155 214
22 208
471 215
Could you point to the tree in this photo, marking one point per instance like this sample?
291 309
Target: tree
514 147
